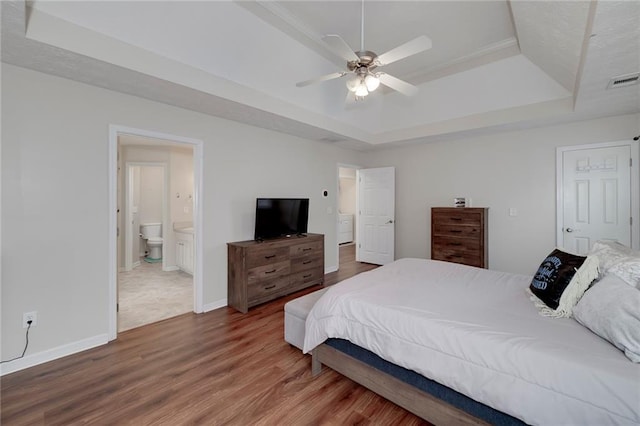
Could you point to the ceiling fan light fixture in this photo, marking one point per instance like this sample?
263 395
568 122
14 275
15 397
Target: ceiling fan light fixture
353 83
362 91
372 82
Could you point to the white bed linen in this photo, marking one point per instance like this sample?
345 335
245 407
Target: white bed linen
475 331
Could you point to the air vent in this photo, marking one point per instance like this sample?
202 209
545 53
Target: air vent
624 80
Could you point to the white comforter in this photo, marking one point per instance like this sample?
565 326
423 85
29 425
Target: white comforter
475 331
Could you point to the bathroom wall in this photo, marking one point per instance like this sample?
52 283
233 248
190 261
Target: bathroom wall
181 185
347 189
151 194
137 248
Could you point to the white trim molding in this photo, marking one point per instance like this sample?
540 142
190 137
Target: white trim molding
54 353
215 305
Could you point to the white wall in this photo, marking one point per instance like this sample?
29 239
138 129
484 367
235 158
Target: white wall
55 194
499 171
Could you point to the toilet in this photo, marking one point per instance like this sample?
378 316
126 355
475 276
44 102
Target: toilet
152 234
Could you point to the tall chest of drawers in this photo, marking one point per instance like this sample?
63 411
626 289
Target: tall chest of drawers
459 235
258 272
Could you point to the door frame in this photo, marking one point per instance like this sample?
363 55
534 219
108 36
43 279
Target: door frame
634 187
129 234
198 190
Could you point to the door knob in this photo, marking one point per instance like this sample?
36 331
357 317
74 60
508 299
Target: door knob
569 230
389 221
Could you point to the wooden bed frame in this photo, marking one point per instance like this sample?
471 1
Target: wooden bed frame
422 404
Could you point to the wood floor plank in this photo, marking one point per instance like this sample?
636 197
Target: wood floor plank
222 367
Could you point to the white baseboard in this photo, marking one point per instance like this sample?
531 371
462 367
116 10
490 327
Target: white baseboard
54 353
171 268
135 264
214 305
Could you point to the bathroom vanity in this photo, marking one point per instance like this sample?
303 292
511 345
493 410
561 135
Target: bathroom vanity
184 248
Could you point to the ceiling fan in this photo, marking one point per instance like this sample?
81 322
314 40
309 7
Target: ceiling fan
362 65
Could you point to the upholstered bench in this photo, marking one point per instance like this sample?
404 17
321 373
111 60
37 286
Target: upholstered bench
295 316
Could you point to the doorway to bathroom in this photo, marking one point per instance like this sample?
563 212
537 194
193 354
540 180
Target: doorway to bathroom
347 200
156 218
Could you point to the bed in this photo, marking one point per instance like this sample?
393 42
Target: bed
475 332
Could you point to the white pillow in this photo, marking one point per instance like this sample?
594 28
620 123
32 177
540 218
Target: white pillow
611 309
618 259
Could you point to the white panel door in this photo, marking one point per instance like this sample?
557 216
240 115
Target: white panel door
376 215
595 197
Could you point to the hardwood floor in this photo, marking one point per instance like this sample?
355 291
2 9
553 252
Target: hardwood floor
222 367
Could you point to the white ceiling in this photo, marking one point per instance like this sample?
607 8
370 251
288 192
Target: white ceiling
494 64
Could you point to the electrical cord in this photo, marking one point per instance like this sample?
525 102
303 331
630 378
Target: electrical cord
25 346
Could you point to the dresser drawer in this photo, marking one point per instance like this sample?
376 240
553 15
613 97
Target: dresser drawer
306 277
453 217
306 248
456 257
313 260
460 245
258 292
268 272
266 255
457 230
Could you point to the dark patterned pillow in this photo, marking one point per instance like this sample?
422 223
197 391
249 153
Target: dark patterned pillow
560 281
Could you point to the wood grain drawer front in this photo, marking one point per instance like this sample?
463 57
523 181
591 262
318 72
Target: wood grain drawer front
308 276
457 257
461 217
258 290
469 231
266 255
306 248
468 247
313 260
268 272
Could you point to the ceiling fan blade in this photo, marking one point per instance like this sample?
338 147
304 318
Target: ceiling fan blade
412 47
323 78
340 47
397 84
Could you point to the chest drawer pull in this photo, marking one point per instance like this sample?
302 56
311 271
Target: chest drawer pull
270 287
270 257
271 271
455 231
307 276
306 249
455 244
307 262
457 219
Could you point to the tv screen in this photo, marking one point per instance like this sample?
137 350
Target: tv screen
277 217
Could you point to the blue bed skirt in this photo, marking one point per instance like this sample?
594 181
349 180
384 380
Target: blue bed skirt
444 393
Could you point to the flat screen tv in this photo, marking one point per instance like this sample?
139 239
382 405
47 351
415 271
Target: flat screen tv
277 217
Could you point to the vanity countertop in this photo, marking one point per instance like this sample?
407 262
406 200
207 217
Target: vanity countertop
183 227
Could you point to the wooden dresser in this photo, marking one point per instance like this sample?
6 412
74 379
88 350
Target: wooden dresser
459 235
263 271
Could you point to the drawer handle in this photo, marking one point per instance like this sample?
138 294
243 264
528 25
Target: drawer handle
270 257
456 218
306 249
307 262
455 244
271 271
307 276
455 231
270 287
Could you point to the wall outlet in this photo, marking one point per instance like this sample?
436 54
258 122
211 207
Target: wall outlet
30 316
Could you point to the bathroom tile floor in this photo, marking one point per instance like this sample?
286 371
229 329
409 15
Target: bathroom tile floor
146 294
